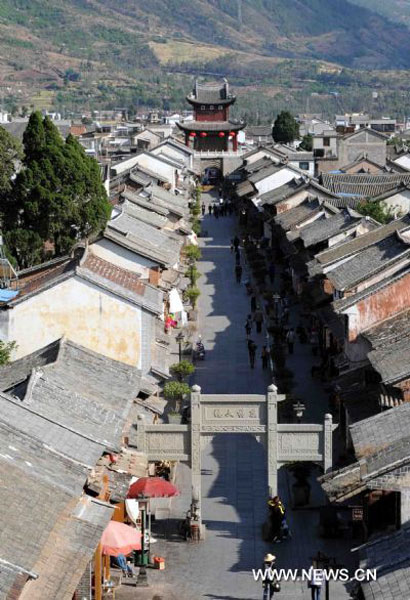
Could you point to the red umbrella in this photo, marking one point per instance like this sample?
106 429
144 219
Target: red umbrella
152 487
119 538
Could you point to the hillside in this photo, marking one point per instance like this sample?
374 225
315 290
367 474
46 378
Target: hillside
87 53
395 10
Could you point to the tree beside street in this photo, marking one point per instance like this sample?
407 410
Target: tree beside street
57 197
285 129
11 152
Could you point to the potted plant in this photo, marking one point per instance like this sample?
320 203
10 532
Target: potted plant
192 252
182 370
174 391
192 294
193 274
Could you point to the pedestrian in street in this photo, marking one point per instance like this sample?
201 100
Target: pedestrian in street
236 242
238 273
277 515
237 255
248 325
290 339
265 358
252 347
285 315
269 582
203 209
271 273
216 211
210 209
253 303
316 581
258 318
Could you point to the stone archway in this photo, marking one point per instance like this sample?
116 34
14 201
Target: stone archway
251 413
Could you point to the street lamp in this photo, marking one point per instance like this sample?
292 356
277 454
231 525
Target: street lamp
180 338
142 579
299 408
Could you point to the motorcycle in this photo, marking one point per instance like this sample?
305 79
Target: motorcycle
199 351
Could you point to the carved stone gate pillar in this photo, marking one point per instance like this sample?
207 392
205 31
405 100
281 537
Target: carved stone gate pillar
272 438
327 443
196 445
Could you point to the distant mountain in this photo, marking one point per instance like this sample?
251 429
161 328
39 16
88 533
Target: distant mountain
395 10
75 52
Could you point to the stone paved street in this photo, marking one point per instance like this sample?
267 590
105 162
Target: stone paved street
234 465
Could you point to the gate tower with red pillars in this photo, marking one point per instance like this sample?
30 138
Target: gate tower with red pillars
211 130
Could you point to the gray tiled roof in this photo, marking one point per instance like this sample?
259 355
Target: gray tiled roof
55 435
265 172
147 239
363 184
210 93
392 361
145 202
380 431
295 216
389 555
230 125
283 192
259 164
363 241
144 215
323 229
369 261
18 371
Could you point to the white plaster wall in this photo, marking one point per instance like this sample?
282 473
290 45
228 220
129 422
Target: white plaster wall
403 161
82 312
399 203
117 255
275 180
261 154
155 165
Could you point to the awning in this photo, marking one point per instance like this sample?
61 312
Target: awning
175 302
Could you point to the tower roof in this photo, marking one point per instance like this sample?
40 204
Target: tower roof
211 93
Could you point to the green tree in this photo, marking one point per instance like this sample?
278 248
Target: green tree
307 143
6 348
376 210
58 196
285 129
11 151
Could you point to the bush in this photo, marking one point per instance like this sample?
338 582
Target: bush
196 226
192 294
6 348
192 252
182 370
175 391
193 274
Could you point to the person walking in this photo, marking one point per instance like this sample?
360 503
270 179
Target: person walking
248 325
265 358
236 242
252 347
238 273
210 209
290 339
269 582
203 209
316 581
237 258
216 211
258 318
